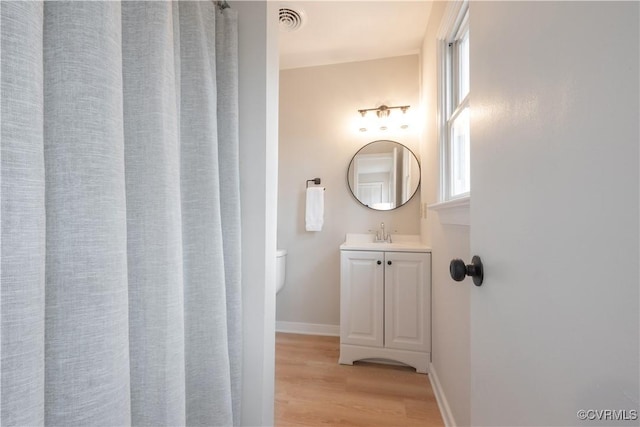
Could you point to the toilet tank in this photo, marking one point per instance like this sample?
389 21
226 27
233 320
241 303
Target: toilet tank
281 268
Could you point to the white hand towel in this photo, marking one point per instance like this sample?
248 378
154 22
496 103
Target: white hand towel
314 217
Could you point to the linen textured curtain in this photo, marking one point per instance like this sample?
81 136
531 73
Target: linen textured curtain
120 242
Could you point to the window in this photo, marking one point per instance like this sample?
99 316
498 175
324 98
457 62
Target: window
454 132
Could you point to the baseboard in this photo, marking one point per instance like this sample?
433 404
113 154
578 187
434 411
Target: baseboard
445 410
307 328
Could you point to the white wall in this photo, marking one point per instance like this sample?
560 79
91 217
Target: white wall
450 300
318 137
258 102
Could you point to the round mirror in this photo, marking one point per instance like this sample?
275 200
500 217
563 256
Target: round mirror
384 175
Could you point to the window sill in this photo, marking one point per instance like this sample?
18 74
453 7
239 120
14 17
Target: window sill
453 212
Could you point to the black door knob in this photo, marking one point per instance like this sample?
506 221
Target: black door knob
379 262
459 270
389 262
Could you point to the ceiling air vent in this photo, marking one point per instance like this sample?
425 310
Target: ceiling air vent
290 19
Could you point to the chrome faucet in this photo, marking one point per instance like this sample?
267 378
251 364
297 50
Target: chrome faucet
381 237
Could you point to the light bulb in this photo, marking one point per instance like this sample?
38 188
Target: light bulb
383 117
363 122
404 119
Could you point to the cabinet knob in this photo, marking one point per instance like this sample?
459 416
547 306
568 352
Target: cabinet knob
379 262
389 262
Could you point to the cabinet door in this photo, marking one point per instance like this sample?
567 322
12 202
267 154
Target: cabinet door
362 298
408 301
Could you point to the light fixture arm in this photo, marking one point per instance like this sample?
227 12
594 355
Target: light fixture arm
383 110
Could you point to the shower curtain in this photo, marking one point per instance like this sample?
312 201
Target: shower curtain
120 242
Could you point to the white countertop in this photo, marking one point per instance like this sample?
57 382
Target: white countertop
401 243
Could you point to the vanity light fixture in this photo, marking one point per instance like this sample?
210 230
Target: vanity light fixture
383 114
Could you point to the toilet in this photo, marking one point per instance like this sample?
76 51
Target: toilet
281 265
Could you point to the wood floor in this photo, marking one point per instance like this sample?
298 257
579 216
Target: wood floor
312 389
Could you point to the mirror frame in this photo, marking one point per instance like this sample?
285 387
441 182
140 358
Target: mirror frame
414 191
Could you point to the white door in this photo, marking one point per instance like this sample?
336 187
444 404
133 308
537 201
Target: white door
407 301
370 193
554 213
362 298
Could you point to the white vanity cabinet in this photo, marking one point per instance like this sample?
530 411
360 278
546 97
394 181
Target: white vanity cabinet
385 300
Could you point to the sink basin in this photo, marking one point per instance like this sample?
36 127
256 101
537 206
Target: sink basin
401 243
